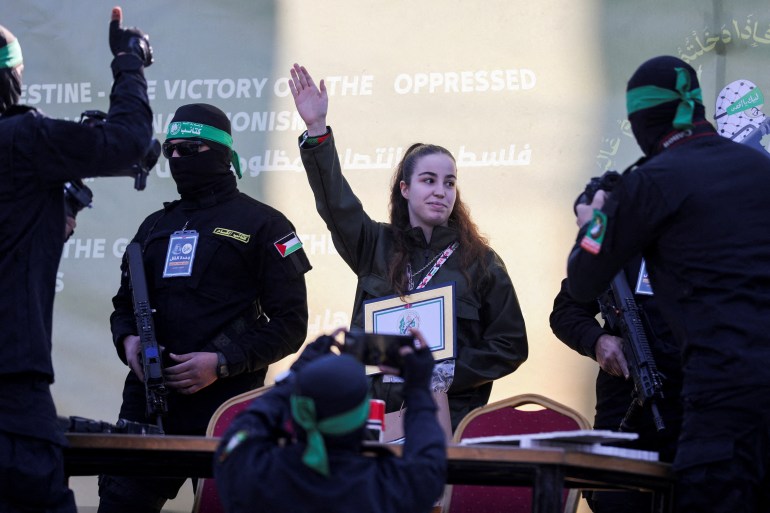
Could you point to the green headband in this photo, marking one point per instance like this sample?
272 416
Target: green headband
303 411
648 96
190 130
10 55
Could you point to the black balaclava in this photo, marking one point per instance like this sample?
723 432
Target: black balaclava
659 78
206 173
10 76
330 404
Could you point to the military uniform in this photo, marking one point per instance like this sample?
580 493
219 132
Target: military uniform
239 280
575 324
37 156
697 211
225 275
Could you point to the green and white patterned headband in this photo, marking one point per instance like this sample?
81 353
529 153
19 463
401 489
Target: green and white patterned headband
190 130
645 97
10 55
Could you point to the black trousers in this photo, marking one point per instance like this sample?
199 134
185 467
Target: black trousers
32 476
129 494
723 453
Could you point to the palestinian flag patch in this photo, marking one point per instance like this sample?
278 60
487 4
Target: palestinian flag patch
237 439
288 244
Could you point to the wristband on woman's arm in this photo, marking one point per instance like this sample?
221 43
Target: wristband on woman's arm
311 142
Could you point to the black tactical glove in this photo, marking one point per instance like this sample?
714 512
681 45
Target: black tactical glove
418 368
129 40
319 347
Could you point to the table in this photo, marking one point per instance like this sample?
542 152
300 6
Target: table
549 470
546 470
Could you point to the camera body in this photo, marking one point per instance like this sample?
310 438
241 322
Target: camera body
377 349
141 169
77 196
606 183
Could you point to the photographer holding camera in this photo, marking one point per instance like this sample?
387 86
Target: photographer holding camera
39 155
575 323
298 447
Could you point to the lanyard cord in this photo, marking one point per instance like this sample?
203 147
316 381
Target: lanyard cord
442 257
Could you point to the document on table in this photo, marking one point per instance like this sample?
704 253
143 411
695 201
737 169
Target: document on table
585 440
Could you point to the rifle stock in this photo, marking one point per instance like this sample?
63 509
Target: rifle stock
154 382
621 312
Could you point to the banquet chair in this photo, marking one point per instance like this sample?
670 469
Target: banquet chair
518 415
206 495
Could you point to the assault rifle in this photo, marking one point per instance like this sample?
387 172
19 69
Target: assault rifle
154 382
621 313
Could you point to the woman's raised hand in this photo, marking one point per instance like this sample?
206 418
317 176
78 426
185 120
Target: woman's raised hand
312 103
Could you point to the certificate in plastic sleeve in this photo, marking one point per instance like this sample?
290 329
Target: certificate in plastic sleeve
431 310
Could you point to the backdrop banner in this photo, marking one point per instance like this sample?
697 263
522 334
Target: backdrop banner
528 96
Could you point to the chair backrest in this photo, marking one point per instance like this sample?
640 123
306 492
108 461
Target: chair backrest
507 417
206 495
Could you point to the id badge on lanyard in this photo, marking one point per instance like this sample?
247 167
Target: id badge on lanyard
643 285
180 254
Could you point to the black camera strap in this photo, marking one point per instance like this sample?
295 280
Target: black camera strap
700 129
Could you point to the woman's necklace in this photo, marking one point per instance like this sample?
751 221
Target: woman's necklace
417 273
439 262
410 275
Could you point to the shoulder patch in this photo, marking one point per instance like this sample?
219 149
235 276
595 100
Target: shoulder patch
592 240
226 232
236 440
288 244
